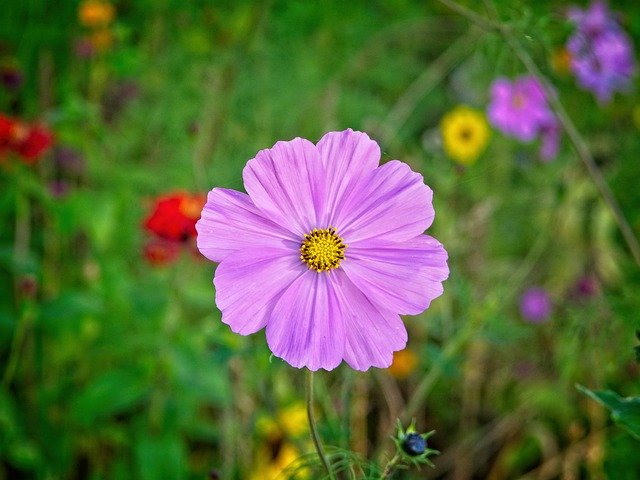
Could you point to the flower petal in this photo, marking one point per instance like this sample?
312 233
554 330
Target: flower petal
230 221
403 277
391 202
286 182
306 327
249 282
346 156
372 333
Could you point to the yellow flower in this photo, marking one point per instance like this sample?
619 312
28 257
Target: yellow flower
95 13
465 134
293 420
404 363
271 465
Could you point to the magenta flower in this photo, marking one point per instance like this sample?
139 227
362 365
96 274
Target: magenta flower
602 56
519 109
535 305
325 251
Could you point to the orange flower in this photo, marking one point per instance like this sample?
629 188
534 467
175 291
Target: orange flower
95 13
175 215
404 363
101 40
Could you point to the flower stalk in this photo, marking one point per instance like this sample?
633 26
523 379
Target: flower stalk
314 429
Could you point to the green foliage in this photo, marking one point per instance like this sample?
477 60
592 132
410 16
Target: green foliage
111 367
625 411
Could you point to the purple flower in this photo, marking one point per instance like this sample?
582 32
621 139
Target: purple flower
550 135
594 20
69 160
519 109
535 305
602 56
325 251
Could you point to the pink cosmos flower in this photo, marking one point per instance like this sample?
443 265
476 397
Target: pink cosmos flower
519 109
325 251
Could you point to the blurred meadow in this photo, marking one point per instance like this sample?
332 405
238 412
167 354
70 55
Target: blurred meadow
114 363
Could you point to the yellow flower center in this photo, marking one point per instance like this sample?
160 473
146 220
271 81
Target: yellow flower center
322 249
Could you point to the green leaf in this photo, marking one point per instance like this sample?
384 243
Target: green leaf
160 457
625 411
114 392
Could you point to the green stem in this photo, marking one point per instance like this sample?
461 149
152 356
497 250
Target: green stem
314 429
388 468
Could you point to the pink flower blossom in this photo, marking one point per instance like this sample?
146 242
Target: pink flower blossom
325 251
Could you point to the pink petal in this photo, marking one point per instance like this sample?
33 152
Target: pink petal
372 333
306 328
230 221
391 203
286 182
248 283
403 277
346 156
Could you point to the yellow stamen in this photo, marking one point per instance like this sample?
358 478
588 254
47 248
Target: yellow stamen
322 249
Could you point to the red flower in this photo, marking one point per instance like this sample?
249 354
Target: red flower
28 141
161 252
175 215
36 140
6 127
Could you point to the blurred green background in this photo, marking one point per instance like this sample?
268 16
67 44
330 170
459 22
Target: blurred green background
115 367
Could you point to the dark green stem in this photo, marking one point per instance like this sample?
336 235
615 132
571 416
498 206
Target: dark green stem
314 429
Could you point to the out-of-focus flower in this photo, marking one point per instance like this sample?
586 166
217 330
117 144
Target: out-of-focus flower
31 141
587 286
535 305
404 363
83 48
561 61
68 160
59 188
550 136
6 135
28 141
519 109
101 40
465 134
276 453
602 56
325 251
174 216
11 76
160 252
274 461
95 13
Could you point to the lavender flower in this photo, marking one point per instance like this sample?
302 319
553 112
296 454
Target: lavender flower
325 251
535 305
519 109
602 56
